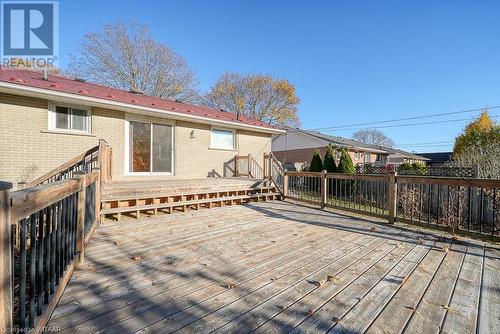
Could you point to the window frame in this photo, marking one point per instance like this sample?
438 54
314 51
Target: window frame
52 117
212 147
126 154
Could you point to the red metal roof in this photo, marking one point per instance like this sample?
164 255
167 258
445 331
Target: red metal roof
69 85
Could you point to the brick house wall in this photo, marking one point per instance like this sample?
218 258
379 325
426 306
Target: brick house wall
305 155
25 139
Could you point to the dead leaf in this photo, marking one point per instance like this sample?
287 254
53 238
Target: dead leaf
420 241
231 285
115 243
273 241
446 307
405 279
372 229
332 278
321 283
211 225
136 258
310 311
446 249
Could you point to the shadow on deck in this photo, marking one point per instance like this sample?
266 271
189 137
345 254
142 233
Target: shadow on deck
278 267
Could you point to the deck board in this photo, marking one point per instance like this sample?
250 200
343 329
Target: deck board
263 268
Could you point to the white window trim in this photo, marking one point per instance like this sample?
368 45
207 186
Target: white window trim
212 147
52 117
126 154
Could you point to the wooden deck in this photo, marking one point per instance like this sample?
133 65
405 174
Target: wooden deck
276 267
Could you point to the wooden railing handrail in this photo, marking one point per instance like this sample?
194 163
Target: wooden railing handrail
31 200
438 180
62 167
450 181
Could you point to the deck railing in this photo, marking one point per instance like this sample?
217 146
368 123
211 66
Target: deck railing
246 165
44 230
96 158
273 170
468 206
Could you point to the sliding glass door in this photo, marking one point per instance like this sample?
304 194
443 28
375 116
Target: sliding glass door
150 148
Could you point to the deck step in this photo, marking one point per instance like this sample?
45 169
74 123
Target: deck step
184 202
163 193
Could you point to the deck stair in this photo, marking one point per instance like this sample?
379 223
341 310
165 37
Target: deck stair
150 197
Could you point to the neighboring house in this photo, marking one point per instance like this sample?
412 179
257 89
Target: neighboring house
297 146
45 121
437 159
398 157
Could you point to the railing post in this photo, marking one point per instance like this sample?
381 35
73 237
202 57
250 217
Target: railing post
270 160
285 185
98 198
249 163
236 165
6 299
264 166
80 220
323 189
392 197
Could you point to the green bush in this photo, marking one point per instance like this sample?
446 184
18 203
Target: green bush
347 187
329 161
316 162
345 163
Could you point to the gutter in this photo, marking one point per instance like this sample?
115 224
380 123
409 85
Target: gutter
51 95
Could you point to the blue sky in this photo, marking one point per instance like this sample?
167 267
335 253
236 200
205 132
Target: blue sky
351 61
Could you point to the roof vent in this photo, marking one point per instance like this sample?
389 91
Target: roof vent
45 74
136 91
80 79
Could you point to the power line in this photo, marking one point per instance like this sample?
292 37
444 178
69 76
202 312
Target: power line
407 118
410 124
432 142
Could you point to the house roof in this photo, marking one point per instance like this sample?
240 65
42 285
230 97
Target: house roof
341 141
351 143
19 78
438 157
397 152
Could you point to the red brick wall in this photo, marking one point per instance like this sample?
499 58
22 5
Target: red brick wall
305 154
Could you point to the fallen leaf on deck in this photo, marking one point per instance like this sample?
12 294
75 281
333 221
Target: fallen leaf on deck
373 229
405 279
446 307
446 249
332 278
136 258
420 241
231 285
310 312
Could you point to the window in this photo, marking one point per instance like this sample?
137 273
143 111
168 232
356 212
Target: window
357 155
222 139
72 119
150 148
367 157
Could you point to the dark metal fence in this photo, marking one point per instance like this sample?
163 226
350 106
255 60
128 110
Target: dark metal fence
366 195
470 206
305 187
45 231
468 172
86 162
44 244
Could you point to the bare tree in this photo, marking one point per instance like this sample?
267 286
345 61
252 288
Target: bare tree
373 137
485 156
126 56
261 97
28 173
